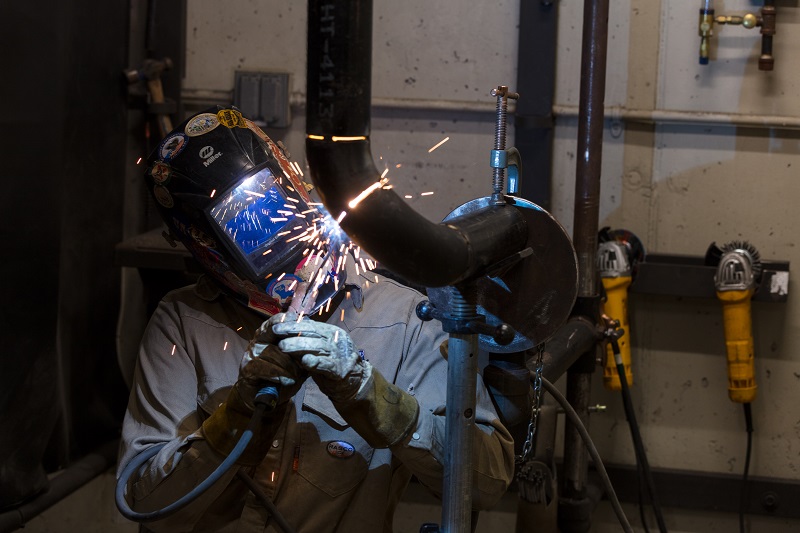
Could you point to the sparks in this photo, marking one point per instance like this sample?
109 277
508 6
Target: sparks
239 328
426 194
366 192
341 316
281 277
341 217
254 193
138 160
225 347
175 345
213 193
434 147
336 336
409 196
266 252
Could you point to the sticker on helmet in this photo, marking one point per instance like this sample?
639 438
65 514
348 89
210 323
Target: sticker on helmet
160 172
341 449
163 196
262 303
231 118
201 124
282 289
172 146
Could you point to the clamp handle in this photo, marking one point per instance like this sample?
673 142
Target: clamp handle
502 333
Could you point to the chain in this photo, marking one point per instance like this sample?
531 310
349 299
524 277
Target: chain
527 448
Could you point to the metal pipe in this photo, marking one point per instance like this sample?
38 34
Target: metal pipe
590 143
462 371
667 116
341 165
207 97
575 338
766 61
586 221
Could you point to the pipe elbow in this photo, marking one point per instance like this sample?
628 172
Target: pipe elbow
405 242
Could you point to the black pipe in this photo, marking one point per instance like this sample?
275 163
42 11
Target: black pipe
590 143
768 14
575 338
586 221
341 165
71 479
533 117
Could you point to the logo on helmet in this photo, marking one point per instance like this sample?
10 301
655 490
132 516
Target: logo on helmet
207 153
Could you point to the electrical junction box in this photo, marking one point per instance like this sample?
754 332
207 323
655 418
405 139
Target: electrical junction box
263 97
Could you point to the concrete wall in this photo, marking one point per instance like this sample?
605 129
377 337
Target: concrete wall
677 185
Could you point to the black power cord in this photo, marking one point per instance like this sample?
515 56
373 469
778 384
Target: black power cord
593 453
748 420
643 466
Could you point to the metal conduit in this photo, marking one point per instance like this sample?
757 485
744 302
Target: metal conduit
435 255
665 116
574 507
341 165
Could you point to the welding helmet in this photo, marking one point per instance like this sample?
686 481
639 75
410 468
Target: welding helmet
233 198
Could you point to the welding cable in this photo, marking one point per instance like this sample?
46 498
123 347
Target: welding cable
264 398
598 463
748 420
265 501
638 445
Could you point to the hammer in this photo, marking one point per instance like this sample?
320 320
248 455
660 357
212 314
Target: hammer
150 72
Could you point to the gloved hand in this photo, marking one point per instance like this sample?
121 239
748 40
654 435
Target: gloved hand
379 411
263 364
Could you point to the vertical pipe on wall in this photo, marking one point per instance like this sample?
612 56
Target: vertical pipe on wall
577 508
533 117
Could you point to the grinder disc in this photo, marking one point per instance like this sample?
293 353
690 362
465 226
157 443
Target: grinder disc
536 295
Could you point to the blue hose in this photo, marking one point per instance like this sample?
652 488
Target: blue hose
265 400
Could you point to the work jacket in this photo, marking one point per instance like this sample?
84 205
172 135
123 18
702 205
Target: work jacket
319 473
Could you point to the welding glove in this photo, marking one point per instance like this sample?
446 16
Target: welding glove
263 364
379 411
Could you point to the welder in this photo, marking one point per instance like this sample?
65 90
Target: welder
360 381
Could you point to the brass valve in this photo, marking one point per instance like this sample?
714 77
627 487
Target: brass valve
765 20
748 20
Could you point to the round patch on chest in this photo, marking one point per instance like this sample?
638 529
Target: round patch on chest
341 449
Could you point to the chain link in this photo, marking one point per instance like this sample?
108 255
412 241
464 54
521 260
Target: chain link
527 448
